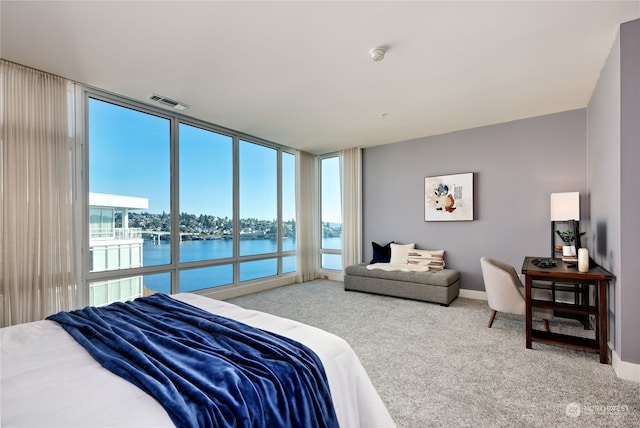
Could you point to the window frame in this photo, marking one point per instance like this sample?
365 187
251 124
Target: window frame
174 267
327 251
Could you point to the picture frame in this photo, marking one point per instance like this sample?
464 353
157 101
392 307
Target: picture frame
448 197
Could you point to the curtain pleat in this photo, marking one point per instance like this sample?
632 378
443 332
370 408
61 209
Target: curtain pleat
37 255
308 223
351 197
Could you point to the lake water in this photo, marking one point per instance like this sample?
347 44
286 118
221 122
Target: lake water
196 279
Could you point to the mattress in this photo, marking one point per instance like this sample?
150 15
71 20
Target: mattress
49 380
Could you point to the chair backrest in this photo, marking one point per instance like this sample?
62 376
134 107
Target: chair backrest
503 286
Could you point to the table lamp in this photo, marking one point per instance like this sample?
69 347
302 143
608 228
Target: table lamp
565 206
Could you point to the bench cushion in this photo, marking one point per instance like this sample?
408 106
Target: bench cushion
442 278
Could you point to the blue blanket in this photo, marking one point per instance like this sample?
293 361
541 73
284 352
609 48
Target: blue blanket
204 369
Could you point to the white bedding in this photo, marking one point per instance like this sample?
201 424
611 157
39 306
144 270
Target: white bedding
48 380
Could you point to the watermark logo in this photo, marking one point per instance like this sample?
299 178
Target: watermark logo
573 410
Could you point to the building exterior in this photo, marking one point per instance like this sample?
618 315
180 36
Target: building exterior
114 245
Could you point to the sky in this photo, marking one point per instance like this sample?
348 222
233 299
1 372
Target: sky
129 154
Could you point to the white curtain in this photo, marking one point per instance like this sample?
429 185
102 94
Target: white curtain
307 220
37 255
351 188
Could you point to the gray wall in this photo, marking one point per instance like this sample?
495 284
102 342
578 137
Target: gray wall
630 194
516 166
613 176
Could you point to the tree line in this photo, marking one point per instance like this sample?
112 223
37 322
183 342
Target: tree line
211 227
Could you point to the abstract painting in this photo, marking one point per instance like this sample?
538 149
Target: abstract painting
448 197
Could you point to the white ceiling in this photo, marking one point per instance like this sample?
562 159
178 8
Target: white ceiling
298 73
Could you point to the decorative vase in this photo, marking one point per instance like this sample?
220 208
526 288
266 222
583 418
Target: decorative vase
569 250
583 260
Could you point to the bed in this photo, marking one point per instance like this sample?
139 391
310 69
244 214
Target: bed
49 380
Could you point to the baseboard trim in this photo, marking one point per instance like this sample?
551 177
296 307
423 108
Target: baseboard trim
623 369
473 294
332 275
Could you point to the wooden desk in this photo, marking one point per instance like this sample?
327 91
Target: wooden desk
564 274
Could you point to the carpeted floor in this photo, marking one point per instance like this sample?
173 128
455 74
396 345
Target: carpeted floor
437 366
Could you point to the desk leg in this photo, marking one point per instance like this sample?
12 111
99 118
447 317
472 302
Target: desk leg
584 300
603 321
529 312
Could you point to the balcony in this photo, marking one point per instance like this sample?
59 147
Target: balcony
109 233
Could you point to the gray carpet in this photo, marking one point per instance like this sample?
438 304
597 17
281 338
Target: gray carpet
437 366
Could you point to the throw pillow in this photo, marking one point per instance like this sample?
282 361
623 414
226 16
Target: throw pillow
381 253
399 253
434 259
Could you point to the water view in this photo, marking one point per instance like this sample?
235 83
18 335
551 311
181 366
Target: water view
200 278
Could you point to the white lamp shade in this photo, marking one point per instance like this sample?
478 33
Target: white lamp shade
565 206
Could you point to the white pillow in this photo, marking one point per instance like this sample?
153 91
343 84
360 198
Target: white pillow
399 253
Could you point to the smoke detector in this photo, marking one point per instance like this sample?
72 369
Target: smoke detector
377 54
168 102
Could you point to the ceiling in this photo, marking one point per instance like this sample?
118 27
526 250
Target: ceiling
298 73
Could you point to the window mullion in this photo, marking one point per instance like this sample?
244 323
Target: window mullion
236 210
174 167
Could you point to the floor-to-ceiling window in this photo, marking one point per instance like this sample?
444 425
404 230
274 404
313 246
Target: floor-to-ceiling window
288 205
129 200
206 207
177 205
330 213
258 209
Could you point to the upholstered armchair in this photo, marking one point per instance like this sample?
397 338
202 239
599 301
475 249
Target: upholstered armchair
505 292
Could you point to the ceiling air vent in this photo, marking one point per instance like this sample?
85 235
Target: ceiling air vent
168 102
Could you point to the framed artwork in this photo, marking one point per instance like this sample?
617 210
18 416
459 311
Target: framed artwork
448 197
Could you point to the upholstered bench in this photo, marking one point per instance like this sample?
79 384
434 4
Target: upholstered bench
439 286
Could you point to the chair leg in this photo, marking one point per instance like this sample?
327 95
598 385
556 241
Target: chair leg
546 325
491 317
